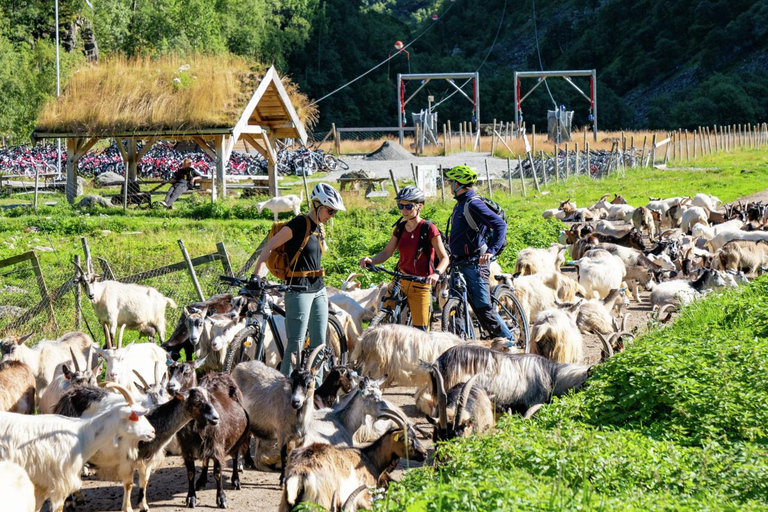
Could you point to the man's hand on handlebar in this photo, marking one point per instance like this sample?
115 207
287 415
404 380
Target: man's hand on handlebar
485 258
365 262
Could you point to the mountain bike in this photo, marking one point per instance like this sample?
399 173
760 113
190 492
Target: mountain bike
400 313
456 317
260 315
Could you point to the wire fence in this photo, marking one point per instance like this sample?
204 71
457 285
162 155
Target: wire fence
45 299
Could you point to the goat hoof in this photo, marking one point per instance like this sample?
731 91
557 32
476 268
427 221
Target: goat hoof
221 501
236 484
190 502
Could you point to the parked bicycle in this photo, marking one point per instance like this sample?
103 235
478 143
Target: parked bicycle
249 344
394 306
456 316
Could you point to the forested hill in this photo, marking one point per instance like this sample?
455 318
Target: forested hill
660 63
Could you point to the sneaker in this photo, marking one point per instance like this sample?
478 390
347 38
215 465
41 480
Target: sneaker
163 203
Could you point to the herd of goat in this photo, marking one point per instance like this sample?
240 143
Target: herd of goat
334 442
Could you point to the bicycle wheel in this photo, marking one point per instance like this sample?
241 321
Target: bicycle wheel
454 316
382 317
238 347
511 312
341 164
338 331
329 162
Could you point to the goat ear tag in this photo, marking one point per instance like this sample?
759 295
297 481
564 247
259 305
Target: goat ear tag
169 361
397 437
248 343
133 416
179 396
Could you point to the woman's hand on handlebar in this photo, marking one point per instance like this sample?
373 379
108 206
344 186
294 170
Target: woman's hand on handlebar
261 270
365 262
432 279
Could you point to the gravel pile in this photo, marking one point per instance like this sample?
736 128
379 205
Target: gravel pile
390 150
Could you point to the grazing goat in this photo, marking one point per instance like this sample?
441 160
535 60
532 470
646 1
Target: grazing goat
329 475
556 336
17 388
533 261
67 380
52 449
682 291
204 441
45 357
517 381
279 407
137 307
16 488
289 203
122 361
464 410
744 255
600 276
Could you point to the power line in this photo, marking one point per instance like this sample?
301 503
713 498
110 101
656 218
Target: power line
498 30
541 65
439 20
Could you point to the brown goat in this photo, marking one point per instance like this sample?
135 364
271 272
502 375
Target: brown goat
17 388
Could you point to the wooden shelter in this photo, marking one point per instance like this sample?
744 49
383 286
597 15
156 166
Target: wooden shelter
268 115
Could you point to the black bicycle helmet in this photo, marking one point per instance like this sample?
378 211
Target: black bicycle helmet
412 194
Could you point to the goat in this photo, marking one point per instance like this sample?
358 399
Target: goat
744 255
214 339
67 380
339 381
595 315
645 219
532 261
464 410
52 449
682 291
279 407
705 201
368 298
45 357
600 276
710 232
607 227
179 339
554 213
614 211
140 357
327 475
17 388
349 283
719 241
662 205
556 336
16 488
517 381
181 376
692 216
357 313
206 441
135 306
278 205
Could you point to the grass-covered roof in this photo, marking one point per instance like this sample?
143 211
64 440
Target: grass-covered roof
168 94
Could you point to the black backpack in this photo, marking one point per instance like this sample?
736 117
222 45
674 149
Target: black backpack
425 244
495 208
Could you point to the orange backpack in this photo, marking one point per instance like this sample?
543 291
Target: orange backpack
278 262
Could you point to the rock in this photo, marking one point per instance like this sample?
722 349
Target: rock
93 200
108 178
42 248
390 150
358 174
10 311
12 289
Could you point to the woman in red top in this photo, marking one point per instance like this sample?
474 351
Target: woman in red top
414 260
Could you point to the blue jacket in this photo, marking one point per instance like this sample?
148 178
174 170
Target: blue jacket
463 241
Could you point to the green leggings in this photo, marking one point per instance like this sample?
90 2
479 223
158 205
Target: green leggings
304 310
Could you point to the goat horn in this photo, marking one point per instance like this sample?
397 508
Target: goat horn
604 196
624 321
74 359
442 398
308 363
614 324
352 276
607 348
143 382
89 359
349 505
463 397
662 310
200 362
122 390
531 412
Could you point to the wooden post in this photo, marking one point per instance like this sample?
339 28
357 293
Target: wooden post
224 257
413 173
442 184
585 136
666 149
78 305
567 163
336 140
610 157
509 176
533 139
623 143
71 170
544 169
43 289
87 253
191 269
589 170
652 151
694 143
488 179
557 166
306 191
461 136
642 153
471 136
687 148
450 137
37 177
533 172
576 158
394 183
493 137
522 175
445 142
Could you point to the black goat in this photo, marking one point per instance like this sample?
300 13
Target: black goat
472 409
201 441
181 376
179 339
340 380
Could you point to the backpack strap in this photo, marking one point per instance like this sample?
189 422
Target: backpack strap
468 216
295 260
425 246
399 226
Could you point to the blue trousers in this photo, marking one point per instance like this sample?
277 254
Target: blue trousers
304 310
479 297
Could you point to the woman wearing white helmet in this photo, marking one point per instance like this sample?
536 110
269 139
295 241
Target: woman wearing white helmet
308 308
417 241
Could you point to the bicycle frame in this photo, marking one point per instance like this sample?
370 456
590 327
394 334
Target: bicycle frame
457 288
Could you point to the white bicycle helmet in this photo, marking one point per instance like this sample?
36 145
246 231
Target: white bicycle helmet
327 196
412 194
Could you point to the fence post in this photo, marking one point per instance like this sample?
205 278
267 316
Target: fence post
306 191
533 172
586 146
191 268
87 252
78 305
106 270
557 166
533 139
413 173
493 136
336 141
544 169
445 142
442 184
576 158
224 257
567 163
450 137
394 183
37 181
522 174
509 177
43 289
652 151
488 179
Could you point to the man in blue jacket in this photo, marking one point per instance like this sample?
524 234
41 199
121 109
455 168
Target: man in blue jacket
475 247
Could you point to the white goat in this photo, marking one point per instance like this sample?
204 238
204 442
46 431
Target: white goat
662 205
600 276
289 203
533 261
614 211
16 488
723 238
555 213
213 339
710 232
706 201
357 313
66 379
556 336
140 357
693 216
45 357
682 291
137 307
52 449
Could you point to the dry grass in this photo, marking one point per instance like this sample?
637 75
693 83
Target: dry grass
168 93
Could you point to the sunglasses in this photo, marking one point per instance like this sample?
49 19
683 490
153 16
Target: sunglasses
331 211
408 207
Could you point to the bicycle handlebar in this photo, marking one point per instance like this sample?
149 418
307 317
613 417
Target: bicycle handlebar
258 283
417 279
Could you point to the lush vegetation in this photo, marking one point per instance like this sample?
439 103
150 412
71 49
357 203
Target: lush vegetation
660 64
